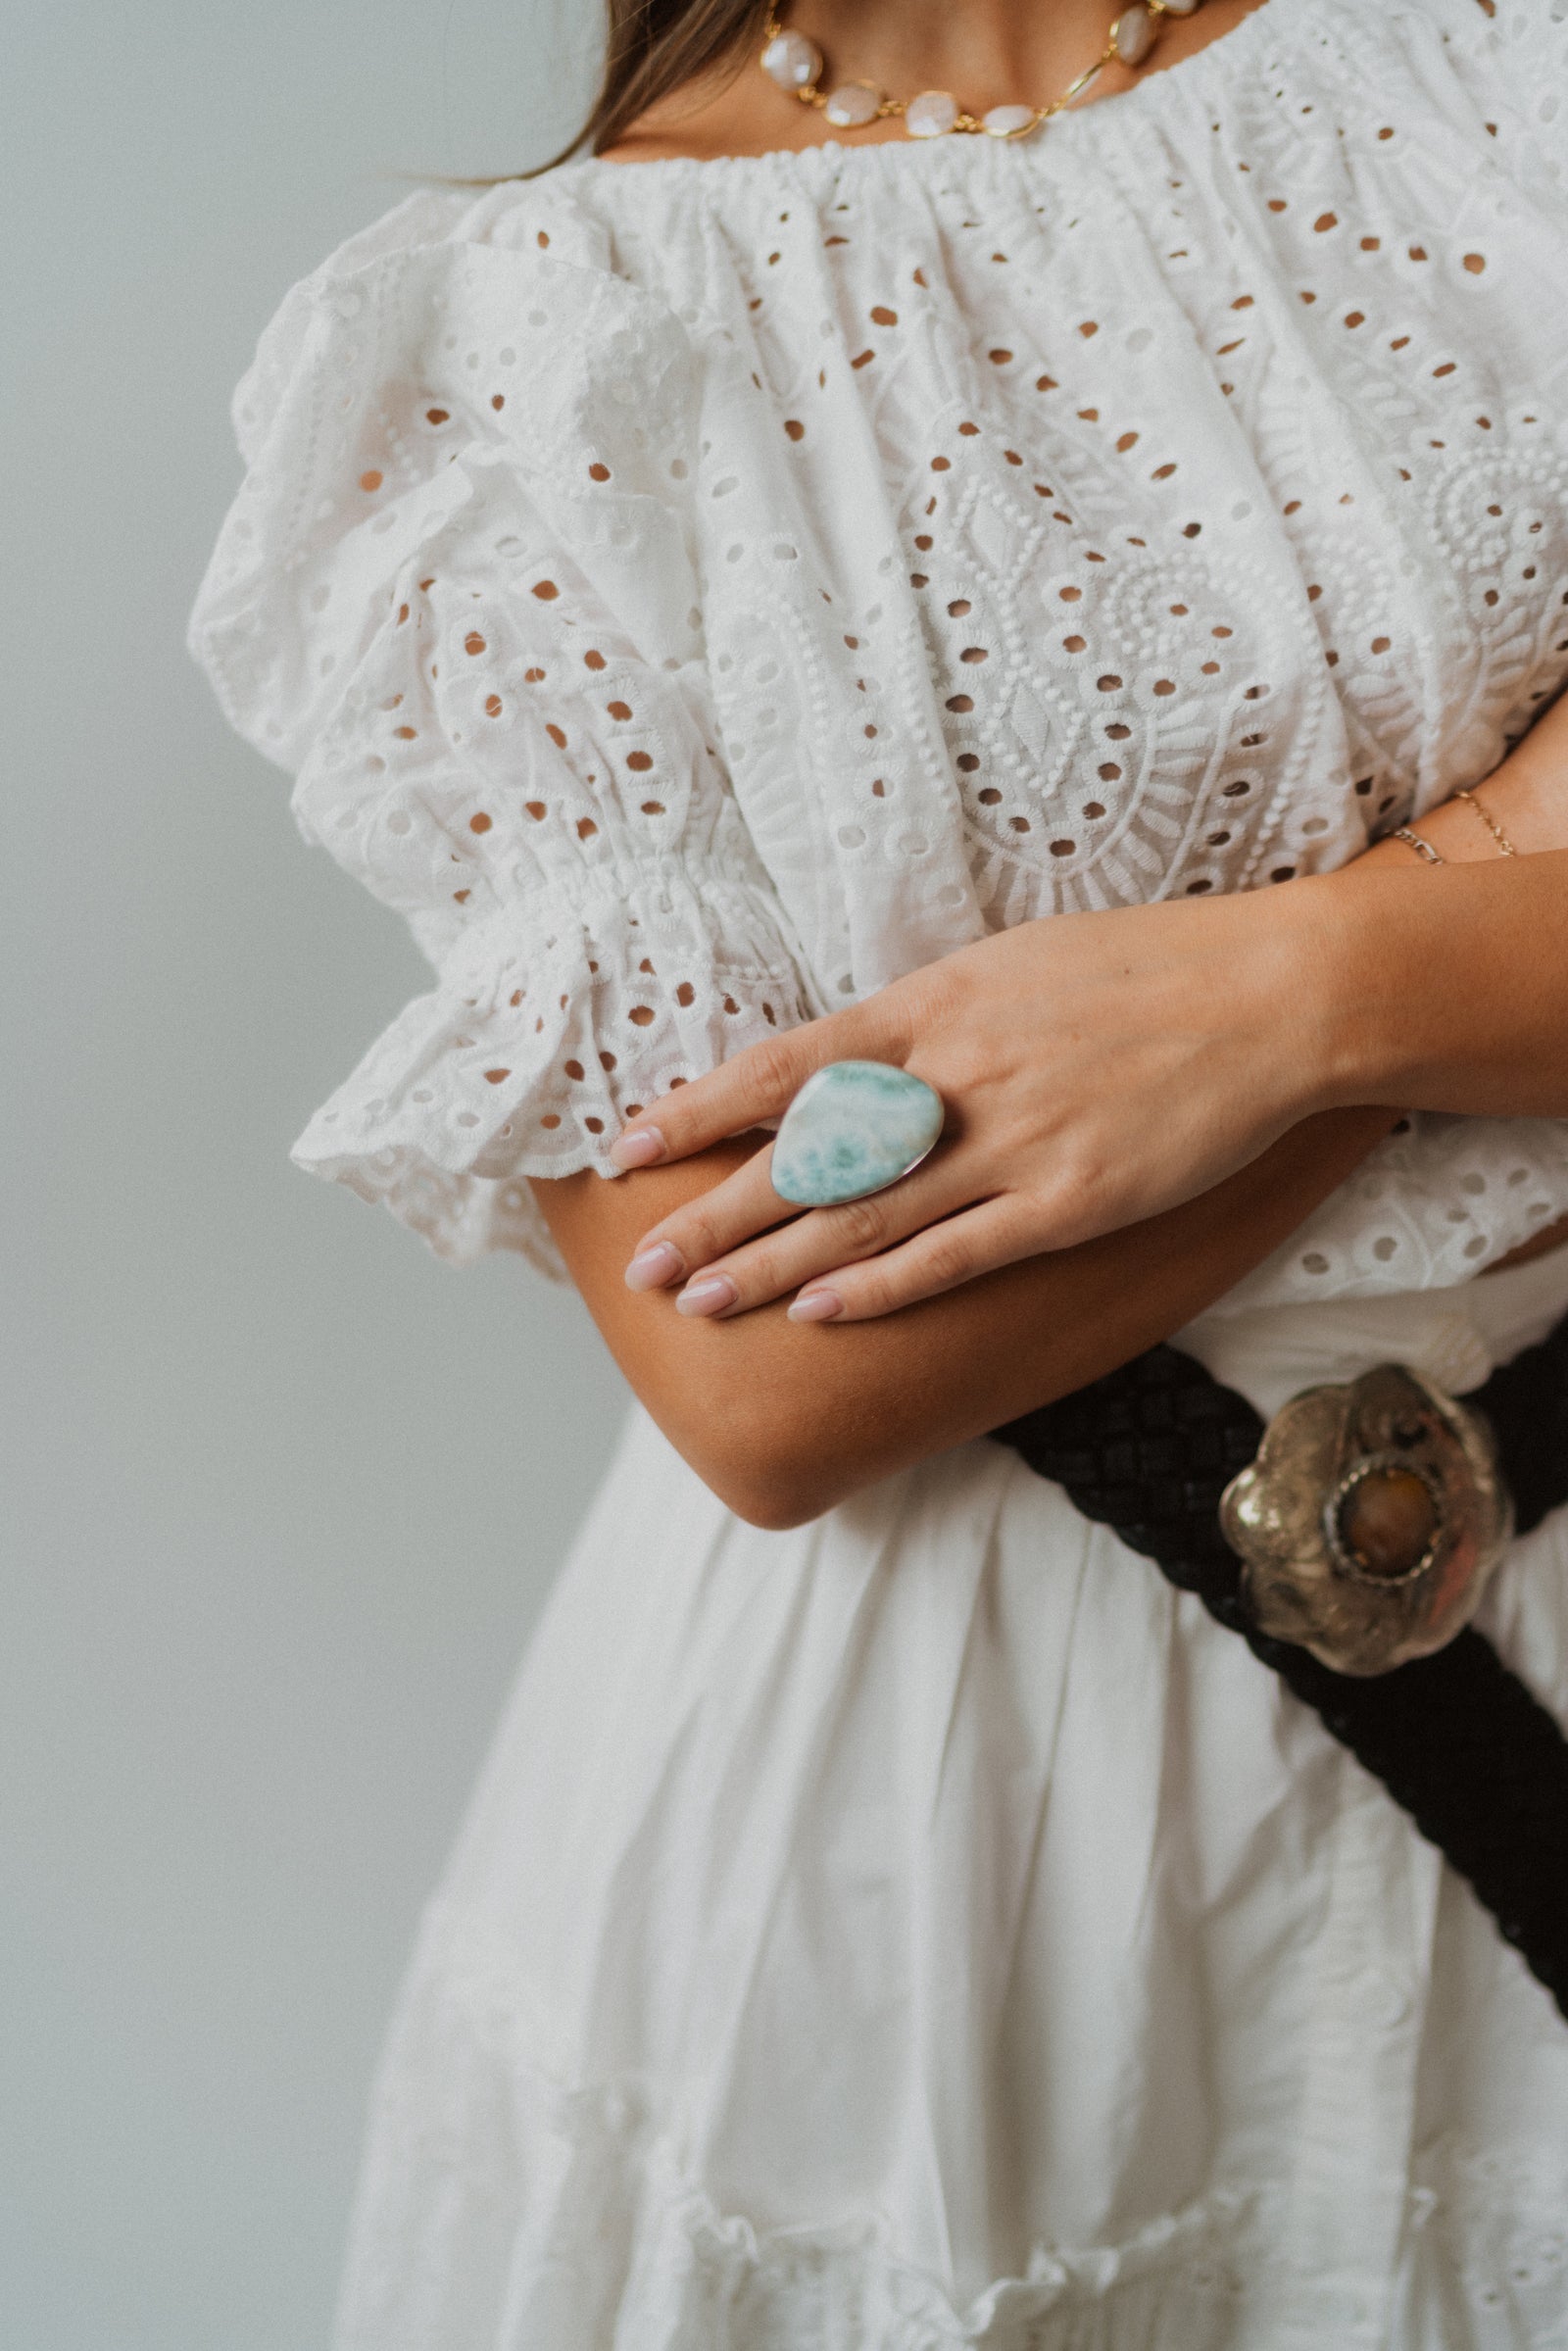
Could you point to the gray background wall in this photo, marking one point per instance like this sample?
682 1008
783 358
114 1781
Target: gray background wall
281 1495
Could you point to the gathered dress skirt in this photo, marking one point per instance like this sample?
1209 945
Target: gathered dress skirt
926 1927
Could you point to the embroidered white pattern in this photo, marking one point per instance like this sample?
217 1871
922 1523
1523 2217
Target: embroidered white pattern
695 595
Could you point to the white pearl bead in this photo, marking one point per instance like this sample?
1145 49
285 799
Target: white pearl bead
853 104
1134 35
792 60
1181 7
931 116
1007 121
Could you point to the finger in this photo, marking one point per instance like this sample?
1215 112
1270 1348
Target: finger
706 1227
779 1261
939 1257
746 1092
756 1086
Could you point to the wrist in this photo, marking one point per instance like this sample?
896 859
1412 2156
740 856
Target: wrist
1324 996
1410 1002
1364 972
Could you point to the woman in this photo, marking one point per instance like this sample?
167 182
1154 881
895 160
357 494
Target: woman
1033 609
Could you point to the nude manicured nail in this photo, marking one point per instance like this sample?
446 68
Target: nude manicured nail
640 1148
816 1306
709 1294
653 1268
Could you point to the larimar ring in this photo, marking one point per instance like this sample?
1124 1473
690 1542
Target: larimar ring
854 1128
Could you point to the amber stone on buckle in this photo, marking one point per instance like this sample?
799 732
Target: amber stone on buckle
1370 1521
1385 1522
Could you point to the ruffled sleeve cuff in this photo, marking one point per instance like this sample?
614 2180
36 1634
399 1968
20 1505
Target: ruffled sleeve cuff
555 1020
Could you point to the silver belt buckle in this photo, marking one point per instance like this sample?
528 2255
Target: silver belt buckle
1370 1522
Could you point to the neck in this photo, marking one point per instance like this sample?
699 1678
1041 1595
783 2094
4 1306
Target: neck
986 52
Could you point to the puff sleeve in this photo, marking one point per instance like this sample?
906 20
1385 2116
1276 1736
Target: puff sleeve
457 597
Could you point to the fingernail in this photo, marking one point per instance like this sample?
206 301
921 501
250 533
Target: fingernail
652 1268
638 1148
709 1294
816 1306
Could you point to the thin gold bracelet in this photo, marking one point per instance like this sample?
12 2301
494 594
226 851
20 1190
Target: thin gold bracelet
1491 822
1423 848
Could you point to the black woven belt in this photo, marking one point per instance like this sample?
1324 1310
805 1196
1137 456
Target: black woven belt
1456 1738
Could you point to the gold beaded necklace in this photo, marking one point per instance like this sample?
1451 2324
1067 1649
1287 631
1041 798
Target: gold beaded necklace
796 65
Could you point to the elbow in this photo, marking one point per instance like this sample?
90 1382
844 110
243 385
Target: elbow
775 1470
772 1490
779 1507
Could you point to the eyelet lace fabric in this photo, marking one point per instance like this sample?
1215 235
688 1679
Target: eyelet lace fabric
695 595
1484 2233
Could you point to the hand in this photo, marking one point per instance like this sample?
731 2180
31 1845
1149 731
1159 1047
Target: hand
1096 1068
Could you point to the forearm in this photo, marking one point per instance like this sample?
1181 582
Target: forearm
1449 987
1248 1026
784 1421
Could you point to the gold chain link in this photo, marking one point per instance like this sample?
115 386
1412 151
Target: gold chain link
1504 844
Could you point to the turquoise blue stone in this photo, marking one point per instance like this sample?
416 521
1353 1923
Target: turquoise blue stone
853 1127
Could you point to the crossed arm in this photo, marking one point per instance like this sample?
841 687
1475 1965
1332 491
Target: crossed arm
1143 1105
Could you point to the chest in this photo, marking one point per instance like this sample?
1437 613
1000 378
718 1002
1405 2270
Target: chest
1051 567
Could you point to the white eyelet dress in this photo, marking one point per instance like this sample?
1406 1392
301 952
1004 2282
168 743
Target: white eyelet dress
694 595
